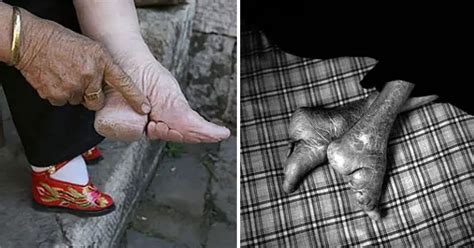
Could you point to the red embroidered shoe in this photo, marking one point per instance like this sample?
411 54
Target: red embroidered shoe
92 156
53 195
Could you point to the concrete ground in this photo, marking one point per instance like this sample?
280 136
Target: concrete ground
191 201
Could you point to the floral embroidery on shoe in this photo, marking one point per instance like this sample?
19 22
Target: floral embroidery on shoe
89 197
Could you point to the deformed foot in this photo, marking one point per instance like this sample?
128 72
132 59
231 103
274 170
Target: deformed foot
53 191
361 153
171 118
362 166
311 130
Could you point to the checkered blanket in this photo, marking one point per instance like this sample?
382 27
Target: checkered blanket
429 195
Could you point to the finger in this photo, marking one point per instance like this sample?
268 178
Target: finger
57 102
42 94
117 78
303 160
94 98
76 97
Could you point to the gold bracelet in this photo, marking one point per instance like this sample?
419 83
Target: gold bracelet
16 31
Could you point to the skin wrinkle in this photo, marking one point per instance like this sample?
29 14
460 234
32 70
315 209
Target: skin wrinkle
314 128
32 47
52 59
365 163
335 125
307 149
115 24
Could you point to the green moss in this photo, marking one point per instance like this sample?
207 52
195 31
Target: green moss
174 150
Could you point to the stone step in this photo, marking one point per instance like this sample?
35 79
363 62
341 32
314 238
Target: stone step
145 3
191 202
124 174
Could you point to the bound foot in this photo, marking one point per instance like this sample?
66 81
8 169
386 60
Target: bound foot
360 154
66 188
362 165
311 130
171 117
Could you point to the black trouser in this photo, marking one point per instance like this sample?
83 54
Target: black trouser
426 46
49 134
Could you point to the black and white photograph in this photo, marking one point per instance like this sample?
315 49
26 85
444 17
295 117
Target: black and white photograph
356 126
235 123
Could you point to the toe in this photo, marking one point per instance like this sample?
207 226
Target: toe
367 185
160 130
293 176
150 131
365 200
373 214
208 130
300 162
361 178
188 126
368 204
174 135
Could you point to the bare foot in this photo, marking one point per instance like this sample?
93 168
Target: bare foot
171 117
311 130
360 154
362 165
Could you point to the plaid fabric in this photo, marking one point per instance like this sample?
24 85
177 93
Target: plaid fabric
428 198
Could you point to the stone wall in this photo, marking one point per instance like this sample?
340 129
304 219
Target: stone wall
167 32
211 82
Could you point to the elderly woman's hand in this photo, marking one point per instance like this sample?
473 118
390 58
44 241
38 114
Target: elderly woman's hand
66 67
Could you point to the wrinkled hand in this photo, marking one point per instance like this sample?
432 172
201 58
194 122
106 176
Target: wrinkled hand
65 67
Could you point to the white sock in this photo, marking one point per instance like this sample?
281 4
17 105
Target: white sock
73 172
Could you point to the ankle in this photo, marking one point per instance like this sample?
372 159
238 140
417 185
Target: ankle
73 171
39 169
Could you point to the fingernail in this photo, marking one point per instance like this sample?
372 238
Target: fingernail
146 108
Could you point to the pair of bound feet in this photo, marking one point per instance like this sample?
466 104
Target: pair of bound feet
353 143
